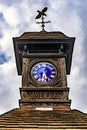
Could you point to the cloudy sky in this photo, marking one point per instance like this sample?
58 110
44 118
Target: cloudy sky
17 17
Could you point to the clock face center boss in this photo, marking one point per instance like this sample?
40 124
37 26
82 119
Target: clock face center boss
43 72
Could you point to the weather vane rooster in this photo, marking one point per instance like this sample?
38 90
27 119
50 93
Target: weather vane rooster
42 14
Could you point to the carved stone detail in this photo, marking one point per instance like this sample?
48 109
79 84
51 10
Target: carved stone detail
24 72
60 81
57 81
62 65
24 95
60 95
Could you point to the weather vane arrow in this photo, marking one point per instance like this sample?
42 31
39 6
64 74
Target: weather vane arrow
42 14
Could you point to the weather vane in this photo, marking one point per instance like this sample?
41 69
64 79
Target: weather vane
42 14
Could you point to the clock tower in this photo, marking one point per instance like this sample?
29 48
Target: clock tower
44 61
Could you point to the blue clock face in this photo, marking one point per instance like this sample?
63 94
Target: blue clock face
43 72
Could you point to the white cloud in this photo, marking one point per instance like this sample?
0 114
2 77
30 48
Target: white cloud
57 4
9 89
11 16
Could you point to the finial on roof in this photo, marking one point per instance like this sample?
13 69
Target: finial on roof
42 14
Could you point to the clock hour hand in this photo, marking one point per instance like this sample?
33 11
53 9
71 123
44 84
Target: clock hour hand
44 77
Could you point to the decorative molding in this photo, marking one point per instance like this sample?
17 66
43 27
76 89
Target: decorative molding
60 95
56 82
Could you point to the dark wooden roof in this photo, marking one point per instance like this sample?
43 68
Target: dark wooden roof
22 118
43 35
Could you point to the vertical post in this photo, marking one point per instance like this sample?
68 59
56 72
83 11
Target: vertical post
43 24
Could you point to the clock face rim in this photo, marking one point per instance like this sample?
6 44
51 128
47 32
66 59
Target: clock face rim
40 82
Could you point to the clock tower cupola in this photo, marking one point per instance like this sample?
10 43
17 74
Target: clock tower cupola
44 61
